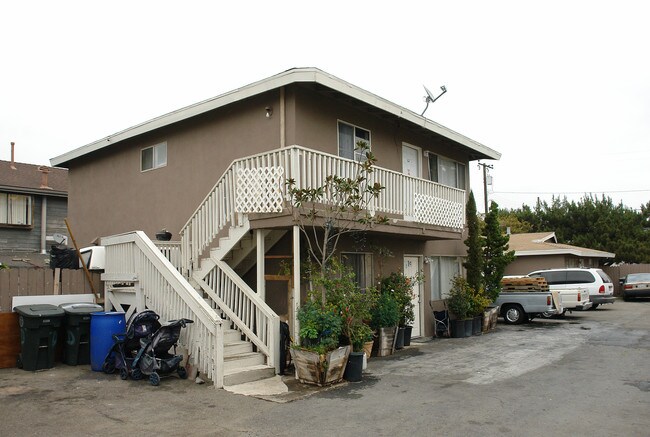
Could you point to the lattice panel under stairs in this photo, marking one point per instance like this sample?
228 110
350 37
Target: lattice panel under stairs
259 190
437 211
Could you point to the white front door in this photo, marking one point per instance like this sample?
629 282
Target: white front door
411 270
411 161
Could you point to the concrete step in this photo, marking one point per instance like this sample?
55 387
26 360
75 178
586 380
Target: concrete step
241 361
247 374
237 348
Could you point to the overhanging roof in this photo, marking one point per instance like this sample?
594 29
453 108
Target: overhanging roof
540 244
295 75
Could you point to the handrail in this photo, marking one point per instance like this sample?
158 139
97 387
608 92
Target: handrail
168 293
415 199
241 305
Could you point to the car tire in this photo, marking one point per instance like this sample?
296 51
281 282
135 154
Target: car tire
513 314
547 315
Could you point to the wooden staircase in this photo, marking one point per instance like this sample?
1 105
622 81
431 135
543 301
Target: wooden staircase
242 361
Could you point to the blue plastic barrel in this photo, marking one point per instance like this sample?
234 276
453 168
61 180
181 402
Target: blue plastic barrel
102 327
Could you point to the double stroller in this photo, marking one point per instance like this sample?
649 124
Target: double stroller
144 349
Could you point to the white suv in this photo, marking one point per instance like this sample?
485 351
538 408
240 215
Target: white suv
599 285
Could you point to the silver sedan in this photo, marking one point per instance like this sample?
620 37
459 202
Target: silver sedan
636 285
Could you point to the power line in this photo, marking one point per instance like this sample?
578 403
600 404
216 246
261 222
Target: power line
570 192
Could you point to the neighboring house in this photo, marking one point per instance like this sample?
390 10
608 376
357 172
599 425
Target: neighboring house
535 251
217 169
33 206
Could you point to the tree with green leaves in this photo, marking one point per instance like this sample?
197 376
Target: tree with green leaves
474 243
592 222
340 206
496 256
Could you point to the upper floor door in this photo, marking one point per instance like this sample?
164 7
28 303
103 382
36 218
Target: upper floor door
411 161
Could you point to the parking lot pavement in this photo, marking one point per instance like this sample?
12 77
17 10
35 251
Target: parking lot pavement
585 374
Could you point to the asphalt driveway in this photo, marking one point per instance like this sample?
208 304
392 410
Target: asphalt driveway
587 374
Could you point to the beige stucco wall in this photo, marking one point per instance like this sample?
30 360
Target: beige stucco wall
109 194
525 264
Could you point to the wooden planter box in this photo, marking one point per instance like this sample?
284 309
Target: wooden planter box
385 343
490 317
321 370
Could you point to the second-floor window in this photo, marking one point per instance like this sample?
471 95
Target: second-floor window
153 157
349 135
446 172
15 209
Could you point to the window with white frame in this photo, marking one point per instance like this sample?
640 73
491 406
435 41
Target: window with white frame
15 209
446 172
153 157
361 266
349 136
442 270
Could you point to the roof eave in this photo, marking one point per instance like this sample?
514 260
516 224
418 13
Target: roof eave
589 254
312 75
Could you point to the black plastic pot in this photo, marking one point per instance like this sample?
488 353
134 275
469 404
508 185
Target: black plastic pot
354 368
457 328
163 236
407 335
477 325
469 327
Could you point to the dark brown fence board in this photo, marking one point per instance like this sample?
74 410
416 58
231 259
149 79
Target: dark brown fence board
9 340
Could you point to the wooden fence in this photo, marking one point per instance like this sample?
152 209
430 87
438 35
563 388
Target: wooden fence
38 282
617 272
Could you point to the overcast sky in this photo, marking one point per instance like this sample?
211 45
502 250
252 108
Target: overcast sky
560 88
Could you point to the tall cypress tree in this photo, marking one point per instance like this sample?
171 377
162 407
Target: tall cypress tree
474 263
496 255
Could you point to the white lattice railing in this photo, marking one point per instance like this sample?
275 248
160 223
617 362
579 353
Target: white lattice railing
133 257
256 184
241 305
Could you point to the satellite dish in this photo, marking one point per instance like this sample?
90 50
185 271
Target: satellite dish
430 98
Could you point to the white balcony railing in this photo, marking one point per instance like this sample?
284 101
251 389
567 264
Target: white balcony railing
256 184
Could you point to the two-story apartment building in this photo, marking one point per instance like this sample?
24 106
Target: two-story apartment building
218 169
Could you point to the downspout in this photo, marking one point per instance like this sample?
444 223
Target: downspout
43 224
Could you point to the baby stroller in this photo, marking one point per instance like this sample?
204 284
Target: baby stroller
153 358
140 328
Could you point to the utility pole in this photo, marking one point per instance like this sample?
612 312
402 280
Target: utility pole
485 198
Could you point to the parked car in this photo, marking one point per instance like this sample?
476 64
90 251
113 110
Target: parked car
636 285
595 281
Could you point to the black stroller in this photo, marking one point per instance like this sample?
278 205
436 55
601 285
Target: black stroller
140 329
153 358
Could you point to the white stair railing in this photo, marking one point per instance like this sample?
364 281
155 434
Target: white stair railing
133 257
241 305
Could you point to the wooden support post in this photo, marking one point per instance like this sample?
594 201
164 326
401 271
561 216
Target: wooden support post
83 263
57 281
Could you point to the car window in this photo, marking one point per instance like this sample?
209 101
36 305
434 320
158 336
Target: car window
638 277
552 278
604 276
580 277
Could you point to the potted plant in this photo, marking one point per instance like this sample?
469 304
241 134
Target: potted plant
385 316
459 304
401 288
360 333
318 359
354 306
478 303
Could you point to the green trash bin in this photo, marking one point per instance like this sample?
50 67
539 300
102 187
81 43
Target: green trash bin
39 325
76 349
